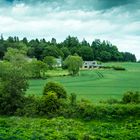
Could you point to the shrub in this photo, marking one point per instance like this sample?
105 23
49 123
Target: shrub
113 67
131 97
56 88
73 99
13 85
73 63
118 68
72 136
50 61
30 106
88 137
106 67
49 104
110 101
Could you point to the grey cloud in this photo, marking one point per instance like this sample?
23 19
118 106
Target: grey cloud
80 4
114 20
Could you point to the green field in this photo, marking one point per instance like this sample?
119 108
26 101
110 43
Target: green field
91 85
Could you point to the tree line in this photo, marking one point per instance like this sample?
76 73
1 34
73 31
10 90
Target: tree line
98 50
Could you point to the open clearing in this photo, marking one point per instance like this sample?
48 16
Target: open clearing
91 85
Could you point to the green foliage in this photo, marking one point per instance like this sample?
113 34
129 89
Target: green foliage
86 53
71 42
73 99
129 57
49 103
15 56
131 97
73 63
52 51
67 129
90 111
65 51
50 61
13 85
105 56
111 101
118 68
102 51
38 69
29 107
56 88
88 137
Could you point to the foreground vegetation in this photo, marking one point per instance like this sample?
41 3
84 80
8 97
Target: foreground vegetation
13 128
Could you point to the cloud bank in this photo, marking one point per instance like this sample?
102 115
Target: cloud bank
116 21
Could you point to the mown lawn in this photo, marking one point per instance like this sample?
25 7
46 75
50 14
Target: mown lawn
91 85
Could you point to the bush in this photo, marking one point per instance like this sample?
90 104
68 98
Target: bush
73 63
49 104
30 106
110 101
106 67
113 67
13 85
131 97
88 137
73 99
118 68
56 88
72 136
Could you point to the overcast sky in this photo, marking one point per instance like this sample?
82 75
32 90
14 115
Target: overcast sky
115 20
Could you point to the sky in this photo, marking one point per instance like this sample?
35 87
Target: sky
115 20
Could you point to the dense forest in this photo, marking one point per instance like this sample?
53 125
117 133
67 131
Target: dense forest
98 50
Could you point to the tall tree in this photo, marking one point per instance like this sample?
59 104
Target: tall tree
73 63
65 51
86 53
13 85
71 42
50 61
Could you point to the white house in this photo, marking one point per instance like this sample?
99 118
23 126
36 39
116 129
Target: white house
58 62
90 64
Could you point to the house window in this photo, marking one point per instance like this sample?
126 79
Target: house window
90 67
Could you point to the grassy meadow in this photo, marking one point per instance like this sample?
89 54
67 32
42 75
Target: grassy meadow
96 84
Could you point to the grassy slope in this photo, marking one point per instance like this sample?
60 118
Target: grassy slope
90 85
67 129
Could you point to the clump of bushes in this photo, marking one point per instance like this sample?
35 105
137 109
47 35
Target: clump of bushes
106 67
54 96
131 97
73 99
49 104
13 85
56 88
128 97
113 67
110 101
118 68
